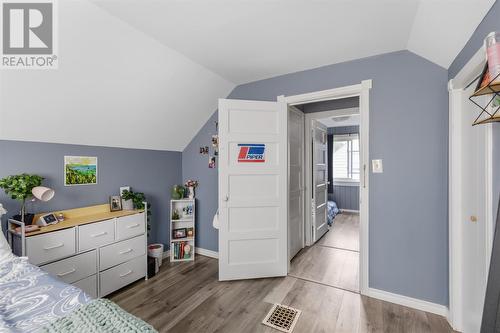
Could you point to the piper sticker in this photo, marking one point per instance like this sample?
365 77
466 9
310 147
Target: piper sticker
252 153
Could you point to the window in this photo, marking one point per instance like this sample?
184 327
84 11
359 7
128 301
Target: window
345 159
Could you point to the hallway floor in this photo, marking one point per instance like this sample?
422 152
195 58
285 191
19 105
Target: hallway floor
334 259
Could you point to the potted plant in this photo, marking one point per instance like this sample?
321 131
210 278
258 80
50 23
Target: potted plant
191 185
19 187
137 199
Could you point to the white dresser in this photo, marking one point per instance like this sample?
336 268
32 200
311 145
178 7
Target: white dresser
94 249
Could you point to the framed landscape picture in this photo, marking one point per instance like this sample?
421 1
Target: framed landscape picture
80 170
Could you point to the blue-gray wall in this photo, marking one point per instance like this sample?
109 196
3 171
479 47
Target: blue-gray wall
346 196
195 166
148 171
408 202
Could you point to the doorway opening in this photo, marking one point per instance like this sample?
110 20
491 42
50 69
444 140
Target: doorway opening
334 160
328 190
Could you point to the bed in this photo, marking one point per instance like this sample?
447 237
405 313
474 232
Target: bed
31 300
332 211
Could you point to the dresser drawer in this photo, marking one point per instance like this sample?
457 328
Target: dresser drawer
130 226
122 275
117 253
91 236
89 285
74 268
51 246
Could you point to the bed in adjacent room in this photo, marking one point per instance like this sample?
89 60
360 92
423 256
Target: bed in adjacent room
332 211
31 300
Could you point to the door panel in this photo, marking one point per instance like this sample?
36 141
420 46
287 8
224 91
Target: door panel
252 189
296 181
320 179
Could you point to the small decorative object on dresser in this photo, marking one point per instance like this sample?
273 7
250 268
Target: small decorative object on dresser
182 243
115 203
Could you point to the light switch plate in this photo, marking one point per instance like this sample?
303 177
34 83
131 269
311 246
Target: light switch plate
377 166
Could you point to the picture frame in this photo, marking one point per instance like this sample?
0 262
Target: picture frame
179 233
80 170
115 203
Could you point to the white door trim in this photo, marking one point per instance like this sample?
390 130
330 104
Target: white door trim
455 230
361 90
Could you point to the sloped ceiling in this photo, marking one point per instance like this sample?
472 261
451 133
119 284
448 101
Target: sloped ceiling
248 40
115 86
148 73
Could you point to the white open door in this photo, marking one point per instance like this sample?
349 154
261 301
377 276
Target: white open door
319 179
252 189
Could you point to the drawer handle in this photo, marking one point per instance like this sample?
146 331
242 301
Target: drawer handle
126 251
125 274
99 234
66 273
133 226
53 247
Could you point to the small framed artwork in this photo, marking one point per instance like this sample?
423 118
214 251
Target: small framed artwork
115 203
190 232
204 150
80 170
215 141
179 233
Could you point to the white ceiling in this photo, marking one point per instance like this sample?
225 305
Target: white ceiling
249 40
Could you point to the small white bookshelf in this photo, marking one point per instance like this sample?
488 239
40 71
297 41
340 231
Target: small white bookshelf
180 226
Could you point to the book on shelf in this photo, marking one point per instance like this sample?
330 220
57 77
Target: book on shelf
182 250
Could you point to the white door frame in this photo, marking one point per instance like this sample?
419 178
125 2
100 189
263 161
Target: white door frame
455 87
309 225
361 90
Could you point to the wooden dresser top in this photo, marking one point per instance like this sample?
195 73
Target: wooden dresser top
81 216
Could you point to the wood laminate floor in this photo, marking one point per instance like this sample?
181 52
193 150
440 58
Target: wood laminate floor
187 297
334 259
344 234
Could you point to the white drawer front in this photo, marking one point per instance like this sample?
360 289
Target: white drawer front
130 226
117 253
74 268
122 275
51 246
91 236
89 285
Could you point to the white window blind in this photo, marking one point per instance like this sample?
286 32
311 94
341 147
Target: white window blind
345 159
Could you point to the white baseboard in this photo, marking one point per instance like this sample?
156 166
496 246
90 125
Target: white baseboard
207 253
410 302
349 211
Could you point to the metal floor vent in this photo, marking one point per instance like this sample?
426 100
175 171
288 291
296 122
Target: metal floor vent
282 318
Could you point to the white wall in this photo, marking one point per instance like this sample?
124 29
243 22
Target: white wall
115 86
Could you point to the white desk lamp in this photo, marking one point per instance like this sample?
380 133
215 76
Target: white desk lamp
44 194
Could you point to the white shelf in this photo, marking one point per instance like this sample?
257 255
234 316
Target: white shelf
187 221
187 239
183 220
